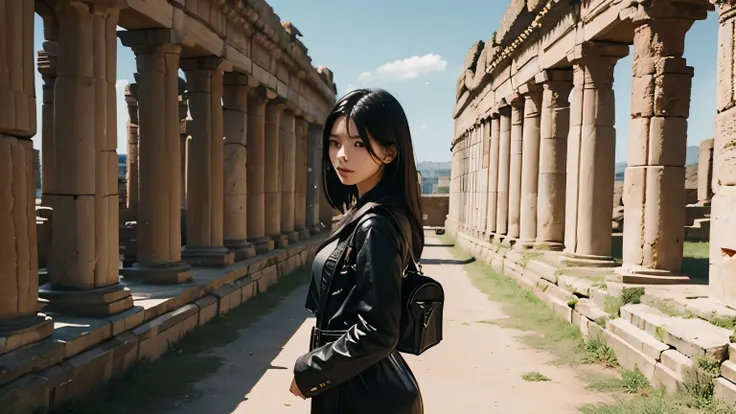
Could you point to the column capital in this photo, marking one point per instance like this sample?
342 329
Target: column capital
515 100
205 63
529 89
47 59
554 75
236 79
596 50
149 41
643 12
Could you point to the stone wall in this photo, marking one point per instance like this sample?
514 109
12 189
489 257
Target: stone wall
434 209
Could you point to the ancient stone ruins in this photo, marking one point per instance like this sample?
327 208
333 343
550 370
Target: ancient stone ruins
222 170
533 165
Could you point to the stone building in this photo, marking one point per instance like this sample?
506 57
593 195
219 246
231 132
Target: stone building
534 145
230 151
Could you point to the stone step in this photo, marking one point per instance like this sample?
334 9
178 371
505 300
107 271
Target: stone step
637 338
693 338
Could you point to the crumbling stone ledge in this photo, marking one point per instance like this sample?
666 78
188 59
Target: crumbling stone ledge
661 346
86 352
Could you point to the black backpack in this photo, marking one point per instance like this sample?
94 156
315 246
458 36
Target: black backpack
422 299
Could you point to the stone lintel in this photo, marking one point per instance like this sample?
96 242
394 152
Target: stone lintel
554 75
108 300
598 49
150 40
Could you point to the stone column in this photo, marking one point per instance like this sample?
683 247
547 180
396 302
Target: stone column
83 268
314 176
301 175
47 69
20 322
555 125
493 174
504 157
272 182
205 195
287 156
517 126
131 99
654 184
591 149
723 220
705 172
530 164
158 154
256 170
235 120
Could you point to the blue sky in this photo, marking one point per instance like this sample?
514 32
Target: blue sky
416 51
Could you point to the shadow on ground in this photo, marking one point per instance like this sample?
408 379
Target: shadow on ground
171 382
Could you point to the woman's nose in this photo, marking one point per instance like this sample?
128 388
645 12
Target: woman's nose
342 153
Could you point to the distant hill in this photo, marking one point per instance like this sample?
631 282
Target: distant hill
434 169
691 158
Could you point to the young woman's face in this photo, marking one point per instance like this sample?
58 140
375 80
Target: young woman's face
351 160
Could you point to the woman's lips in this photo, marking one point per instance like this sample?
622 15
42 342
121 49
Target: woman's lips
343 171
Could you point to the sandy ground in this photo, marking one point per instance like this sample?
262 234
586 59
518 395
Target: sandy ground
476 369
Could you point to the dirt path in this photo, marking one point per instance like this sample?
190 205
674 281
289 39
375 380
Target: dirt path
477 368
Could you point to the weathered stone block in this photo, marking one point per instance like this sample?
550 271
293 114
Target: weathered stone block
637 338
667 141
629 357
207 308
676 362
725 390
159 344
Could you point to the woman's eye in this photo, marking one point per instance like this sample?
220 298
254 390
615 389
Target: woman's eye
333 143
359 144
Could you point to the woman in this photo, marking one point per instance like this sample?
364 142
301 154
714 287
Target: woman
352 366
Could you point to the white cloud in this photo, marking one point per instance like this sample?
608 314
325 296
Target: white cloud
401 70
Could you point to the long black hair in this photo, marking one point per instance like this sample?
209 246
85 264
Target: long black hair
380 113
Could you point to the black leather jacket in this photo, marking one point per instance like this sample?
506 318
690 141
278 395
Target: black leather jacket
356 369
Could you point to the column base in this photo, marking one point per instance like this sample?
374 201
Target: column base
525 244
103 301
279 240
507 241
315 230
159 274
261 244
581 260
241 248
293 236
639 275
549 245
304 232
207 256
17 333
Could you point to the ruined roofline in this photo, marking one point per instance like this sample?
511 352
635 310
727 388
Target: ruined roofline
281 37
521 20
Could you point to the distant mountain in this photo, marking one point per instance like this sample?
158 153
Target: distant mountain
434 169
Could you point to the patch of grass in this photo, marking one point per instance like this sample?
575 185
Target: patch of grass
668 308
528 256
723 322
631 391
534 377
172 376
630 382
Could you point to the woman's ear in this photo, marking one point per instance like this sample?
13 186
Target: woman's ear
390 154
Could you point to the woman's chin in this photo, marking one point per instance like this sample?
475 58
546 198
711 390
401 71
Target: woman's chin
346 180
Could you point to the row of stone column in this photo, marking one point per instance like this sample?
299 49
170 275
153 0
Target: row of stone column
551 156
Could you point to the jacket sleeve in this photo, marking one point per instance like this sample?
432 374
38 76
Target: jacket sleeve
378 289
